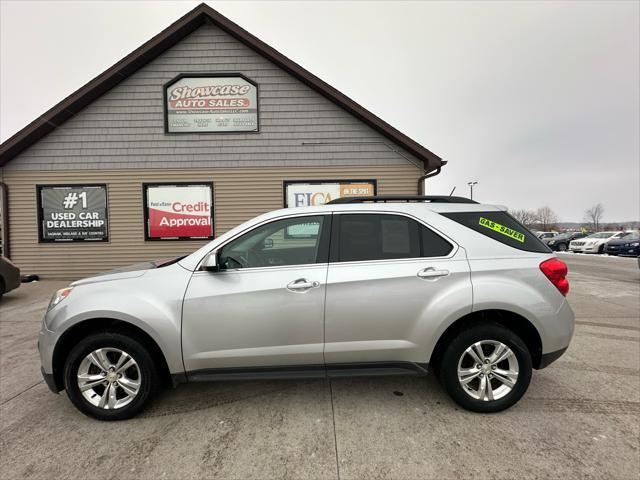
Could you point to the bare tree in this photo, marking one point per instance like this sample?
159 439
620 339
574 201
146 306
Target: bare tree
546 218
594 215
525 217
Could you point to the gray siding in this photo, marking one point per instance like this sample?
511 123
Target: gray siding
125 127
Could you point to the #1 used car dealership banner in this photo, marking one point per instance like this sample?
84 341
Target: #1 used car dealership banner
305 194
178 211
70 213
203 104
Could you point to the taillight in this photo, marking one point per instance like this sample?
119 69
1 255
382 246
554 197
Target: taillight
556 272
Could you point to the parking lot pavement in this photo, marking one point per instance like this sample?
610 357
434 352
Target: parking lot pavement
580 417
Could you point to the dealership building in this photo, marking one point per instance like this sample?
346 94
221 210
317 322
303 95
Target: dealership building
199 129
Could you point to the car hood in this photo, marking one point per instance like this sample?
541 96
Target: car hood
129 271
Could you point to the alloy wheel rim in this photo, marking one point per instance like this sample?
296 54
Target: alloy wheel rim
488 370
109 378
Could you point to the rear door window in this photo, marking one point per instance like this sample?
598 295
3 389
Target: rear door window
362 237
501 227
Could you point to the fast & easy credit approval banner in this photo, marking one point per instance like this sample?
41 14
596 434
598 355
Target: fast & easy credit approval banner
183 211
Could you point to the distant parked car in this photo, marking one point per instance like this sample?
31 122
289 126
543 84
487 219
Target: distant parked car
544 235
561 242
9 276
594 243
625 246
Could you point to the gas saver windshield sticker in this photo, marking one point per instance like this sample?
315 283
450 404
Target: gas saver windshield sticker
496 227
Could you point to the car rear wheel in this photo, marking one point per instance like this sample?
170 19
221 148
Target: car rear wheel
110 376
486 368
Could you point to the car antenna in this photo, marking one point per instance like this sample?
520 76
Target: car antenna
454 189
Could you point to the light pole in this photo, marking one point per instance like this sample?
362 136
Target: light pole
471 184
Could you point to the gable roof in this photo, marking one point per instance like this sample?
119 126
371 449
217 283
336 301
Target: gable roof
167 38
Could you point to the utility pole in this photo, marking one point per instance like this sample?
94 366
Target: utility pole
471 184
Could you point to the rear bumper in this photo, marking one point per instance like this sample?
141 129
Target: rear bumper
548 358
11 279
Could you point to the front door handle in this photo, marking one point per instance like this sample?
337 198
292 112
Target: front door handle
301 285
431 272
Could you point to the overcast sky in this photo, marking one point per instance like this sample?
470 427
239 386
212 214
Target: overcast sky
539 102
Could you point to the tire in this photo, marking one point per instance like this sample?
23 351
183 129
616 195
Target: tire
456 355
110 346
562 247
601 250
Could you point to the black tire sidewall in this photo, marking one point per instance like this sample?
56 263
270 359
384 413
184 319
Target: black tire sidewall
451 356
148 384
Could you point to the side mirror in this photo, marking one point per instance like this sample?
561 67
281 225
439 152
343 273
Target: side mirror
210 263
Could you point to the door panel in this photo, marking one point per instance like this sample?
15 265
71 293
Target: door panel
266 305
390 309
247 318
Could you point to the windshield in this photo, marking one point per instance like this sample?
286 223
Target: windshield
562 236
602 235
631 236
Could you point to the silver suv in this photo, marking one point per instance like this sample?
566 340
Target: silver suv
373 286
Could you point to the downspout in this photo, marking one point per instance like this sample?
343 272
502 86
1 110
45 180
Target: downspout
4 219
428 175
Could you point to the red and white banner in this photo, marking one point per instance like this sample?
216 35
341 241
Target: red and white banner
179 211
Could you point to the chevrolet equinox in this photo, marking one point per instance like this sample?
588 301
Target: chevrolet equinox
360 286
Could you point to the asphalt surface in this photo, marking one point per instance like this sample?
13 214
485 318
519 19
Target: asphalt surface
579 419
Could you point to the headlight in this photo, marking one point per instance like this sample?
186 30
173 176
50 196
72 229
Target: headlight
551 242
59 296
634 244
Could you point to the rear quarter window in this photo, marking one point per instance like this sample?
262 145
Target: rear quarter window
501 227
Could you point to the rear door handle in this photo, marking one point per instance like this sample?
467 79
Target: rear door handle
301 285
431 272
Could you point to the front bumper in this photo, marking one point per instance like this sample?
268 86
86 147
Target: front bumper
49 380
584 248
46 344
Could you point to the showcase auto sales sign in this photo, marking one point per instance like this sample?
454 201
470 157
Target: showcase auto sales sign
179 211
211 104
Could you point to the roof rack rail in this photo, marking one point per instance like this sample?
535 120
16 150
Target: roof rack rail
401 198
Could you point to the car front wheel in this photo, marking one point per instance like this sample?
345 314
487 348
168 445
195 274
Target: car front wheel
486 368
110 376
562 247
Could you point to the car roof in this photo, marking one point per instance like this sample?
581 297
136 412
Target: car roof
405 207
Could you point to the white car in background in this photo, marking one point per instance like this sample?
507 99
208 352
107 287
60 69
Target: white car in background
594 243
